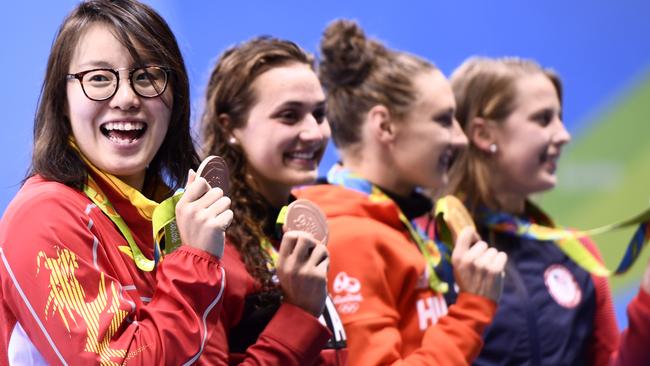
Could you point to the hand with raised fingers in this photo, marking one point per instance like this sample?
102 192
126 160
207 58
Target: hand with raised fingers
478 268
302 271
202 215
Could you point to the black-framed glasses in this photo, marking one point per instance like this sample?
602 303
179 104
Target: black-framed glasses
102 84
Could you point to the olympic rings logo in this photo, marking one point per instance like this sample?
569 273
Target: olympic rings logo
347 308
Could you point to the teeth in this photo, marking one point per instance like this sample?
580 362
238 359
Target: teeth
303 155
124 126
120 141
445 161
447 158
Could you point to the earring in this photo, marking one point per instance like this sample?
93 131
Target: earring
493 148
232 140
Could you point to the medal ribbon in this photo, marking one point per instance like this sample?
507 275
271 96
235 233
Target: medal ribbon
162 216
568 241
348 179
163 224
268 247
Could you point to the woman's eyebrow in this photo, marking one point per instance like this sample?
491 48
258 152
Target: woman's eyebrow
93 63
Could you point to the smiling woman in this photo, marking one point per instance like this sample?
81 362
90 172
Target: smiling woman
290 114
120 133
265 114
392 116
553 311
81 276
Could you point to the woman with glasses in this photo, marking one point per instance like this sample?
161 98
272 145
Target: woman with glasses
552 312
392 117
83 279
265 115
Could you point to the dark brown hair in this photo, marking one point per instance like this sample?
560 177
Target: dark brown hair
486 88
359 73
138 28
230 93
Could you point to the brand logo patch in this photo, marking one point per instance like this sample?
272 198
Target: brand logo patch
347 295
562 286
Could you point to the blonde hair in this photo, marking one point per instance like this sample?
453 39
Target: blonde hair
485 88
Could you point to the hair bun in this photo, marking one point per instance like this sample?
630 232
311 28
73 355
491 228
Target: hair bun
347 55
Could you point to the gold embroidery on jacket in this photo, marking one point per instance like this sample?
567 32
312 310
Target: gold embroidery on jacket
68 299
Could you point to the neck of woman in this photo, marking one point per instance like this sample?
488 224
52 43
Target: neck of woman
379 173
277 195
134 180
511 203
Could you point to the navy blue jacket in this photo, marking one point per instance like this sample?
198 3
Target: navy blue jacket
546 313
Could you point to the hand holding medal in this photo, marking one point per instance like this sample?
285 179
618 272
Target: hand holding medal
203 213
303 259
215 171
478 268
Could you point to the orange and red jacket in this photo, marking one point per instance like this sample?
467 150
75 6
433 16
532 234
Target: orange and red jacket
379 282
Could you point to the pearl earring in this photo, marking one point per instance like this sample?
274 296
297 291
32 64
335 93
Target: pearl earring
493 148
232 140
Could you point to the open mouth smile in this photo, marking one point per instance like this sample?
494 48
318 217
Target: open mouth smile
447 158
123 132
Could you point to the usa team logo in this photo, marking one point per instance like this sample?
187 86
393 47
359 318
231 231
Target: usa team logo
562 286
347 297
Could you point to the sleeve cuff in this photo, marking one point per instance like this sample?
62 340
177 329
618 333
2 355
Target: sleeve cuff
307 340
479 310
196 253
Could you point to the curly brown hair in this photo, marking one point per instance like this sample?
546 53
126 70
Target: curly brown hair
229 98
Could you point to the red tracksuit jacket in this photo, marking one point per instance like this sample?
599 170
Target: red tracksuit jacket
633 348
71 294
253 334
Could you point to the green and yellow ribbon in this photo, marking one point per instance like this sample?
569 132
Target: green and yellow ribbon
569 241
162 215
163 220
346 178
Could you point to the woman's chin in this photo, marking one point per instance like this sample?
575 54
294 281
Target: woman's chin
545 186
301 178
